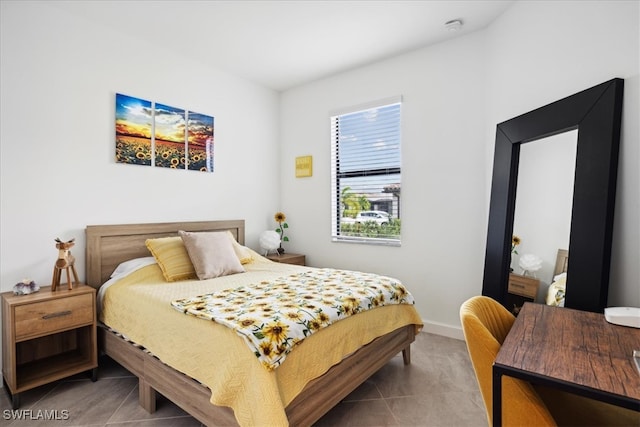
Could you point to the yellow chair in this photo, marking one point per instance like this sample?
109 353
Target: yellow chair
485 324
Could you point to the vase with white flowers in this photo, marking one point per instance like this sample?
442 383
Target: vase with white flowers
281 220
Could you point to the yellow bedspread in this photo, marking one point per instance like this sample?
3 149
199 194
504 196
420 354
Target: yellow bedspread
274 316
139 307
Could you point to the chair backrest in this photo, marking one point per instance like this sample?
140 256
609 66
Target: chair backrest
485 324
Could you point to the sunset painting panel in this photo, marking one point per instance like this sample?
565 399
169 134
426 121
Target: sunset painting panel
170 137
133 130
200 142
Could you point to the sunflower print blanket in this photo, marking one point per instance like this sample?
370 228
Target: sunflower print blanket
274 316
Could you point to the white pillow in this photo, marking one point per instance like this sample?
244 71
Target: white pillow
122 270
132 265
211 253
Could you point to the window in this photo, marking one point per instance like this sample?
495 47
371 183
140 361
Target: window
365 173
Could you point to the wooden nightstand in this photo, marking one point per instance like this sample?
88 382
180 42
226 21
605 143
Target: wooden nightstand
47 336
286 258
520 290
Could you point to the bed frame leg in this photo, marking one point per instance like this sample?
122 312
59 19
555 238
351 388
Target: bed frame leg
147 396
406 355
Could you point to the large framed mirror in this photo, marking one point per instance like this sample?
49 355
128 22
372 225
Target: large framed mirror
595 114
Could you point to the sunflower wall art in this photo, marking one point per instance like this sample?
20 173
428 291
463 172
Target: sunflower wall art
154 134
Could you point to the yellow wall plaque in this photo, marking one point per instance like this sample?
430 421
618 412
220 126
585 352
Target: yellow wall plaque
304 166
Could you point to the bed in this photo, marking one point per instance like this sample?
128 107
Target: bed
299 392
558 287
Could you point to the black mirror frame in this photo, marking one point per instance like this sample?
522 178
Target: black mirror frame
597 114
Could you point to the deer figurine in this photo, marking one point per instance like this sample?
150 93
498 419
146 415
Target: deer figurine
65 262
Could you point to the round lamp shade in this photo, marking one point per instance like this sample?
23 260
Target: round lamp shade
530 263
269 241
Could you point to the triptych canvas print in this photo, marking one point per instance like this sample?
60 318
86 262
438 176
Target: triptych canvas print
153 134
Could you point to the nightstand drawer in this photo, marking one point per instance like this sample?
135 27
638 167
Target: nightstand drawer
41 318
523 286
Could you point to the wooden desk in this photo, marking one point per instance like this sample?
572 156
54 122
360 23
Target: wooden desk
576 351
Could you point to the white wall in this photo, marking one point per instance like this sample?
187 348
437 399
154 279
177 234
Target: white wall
60 74
454 95
443 172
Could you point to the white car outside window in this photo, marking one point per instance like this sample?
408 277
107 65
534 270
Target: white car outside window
379 217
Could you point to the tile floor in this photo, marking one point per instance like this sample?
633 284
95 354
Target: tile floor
437 389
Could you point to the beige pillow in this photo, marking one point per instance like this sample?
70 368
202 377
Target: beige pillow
243 252
211 253
172 257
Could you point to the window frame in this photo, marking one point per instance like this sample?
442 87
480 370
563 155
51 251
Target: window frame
336 175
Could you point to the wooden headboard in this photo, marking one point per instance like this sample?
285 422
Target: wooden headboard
109 245
562 262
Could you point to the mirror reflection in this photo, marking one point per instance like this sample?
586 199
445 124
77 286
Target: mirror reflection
542 219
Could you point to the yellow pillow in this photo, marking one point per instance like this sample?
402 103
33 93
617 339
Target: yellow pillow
243 252
172 257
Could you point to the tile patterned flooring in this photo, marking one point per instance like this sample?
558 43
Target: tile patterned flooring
437 389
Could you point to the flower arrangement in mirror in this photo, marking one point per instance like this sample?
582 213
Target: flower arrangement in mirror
515 241
280 219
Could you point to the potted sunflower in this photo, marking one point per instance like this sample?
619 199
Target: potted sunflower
281 219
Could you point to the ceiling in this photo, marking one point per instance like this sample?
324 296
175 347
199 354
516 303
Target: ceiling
282 44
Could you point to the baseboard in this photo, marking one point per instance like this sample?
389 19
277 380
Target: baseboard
443 329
